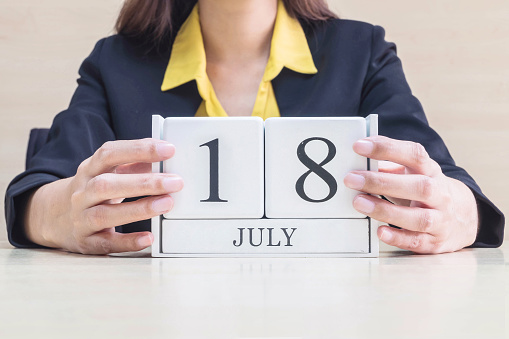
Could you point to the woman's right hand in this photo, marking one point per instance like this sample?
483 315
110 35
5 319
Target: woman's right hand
79 214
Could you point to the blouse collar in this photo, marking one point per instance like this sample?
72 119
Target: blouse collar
289 48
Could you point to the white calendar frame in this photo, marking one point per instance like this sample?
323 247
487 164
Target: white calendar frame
172 243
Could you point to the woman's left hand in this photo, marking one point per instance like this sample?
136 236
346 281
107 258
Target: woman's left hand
437 214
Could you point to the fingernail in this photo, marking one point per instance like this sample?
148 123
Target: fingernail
144 241
165 150
355 181
386 235
363 147
172 184
363 205
162 205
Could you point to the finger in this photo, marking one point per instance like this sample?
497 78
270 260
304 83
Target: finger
397 201
114 153
416 219
114 201
113 242
134 168
106 216
109 186
411 186
407 153
422 243
391 167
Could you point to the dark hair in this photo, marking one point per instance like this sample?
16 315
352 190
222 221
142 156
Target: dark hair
155 21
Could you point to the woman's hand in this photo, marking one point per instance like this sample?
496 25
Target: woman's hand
78 214
436 213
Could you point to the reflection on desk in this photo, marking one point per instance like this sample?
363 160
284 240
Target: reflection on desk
47 293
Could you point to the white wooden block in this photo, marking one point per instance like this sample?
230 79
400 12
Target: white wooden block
306 160
222 164
266 237
305 237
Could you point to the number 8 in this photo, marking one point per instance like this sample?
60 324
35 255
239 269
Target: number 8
317 169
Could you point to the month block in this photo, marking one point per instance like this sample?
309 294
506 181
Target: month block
221 162
306 160
270 237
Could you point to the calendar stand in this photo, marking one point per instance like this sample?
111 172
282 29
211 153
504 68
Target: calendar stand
354 237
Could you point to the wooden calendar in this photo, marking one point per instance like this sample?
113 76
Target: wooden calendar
255 188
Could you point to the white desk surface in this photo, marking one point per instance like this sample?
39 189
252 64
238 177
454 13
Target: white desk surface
53 294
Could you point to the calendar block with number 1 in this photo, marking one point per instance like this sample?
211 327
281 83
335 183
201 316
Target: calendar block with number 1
255 188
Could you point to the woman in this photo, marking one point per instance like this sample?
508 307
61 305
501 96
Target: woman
229 57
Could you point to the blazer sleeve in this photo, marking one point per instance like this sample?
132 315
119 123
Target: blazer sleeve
74 136
401 116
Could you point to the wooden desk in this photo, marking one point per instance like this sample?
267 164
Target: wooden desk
46 293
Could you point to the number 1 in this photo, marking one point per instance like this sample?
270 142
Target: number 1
214 171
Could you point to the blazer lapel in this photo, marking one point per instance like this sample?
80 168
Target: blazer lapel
182 101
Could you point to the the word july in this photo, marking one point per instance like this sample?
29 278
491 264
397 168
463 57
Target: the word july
260 239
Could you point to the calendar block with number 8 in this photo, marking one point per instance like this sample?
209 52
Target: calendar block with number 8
255 188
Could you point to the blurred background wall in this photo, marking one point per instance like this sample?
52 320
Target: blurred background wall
455 54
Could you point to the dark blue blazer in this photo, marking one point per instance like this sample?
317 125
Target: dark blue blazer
119 89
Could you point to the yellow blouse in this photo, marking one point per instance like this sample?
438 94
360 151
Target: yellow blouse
289 48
